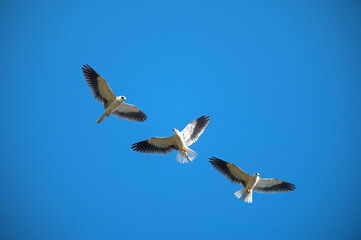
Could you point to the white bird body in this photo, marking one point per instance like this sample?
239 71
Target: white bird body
245 194
185 154
110 108
115 104
178 138
252 182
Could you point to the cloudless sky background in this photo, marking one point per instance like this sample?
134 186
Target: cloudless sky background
280 80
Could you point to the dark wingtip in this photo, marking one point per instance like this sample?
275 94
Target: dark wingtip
290 186
142 146
90 76
287 187
136 146
204 118
143 117
219 164
86 67
212 159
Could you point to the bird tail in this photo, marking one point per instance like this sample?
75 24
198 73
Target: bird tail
186 155
102 118
244 195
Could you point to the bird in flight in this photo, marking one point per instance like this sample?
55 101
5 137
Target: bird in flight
112 104
250 182
180 141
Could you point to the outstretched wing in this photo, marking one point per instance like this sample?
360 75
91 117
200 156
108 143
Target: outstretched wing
194 129
98 86
160 145
230 171
273 185
129 112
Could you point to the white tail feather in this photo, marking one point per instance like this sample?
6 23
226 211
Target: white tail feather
187 156
244 195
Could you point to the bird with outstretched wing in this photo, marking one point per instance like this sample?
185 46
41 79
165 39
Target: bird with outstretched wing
112 104
180 141
250 183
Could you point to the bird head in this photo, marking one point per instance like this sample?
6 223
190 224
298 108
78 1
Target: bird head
257 174
175 130
123 98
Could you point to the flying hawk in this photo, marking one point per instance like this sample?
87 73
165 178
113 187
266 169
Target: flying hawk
250 183
113 104
180 141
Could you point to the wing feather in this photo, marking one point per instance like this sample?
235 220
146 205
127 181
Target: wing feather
230 171
155 145
129 112
98 86
273 185
194 129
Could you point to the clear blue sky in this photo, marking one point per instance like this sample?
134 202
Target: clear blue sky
281 82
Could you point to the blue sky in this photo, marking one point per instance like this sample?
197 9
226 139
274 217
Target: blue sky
280 81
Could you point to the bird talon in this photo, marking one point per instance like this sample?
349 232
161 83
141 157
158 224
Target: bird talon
184 149
249 190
